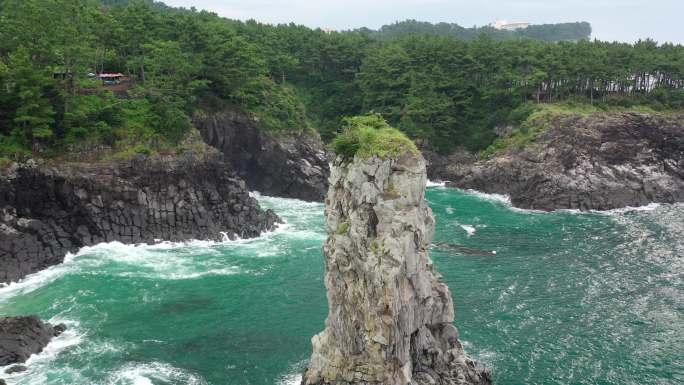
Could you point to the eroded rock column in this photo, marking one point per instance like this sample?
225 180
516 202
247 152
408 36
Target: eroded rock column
390 318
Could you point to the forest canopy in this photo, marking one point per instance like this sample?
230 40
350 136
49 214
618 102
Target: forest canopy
443 90
546 32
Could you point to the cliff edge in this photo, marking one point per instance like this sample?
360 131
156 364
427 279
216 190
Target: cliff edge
290 165
50 209
599 161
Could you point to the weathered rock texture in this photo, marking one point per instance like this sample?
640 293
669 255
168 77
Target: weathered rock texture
20 337
47 211
390 318
599 162
288 165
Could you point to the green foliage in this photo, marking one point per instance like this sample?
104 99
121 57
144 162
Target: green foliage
377 249
392 191
546 32
368 136
132 152
533 120
280 110
34 114
343 229
442 85
5 162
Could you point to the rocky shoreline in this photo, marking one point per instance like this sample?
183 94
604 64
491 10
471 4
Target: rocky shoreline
290 165
598 162
21 337
48 210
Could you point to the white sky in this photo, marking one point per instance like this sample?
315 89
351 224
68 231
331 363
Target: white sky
623 20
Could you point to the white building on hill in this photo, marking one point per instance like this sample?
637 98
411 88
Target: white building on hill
510 26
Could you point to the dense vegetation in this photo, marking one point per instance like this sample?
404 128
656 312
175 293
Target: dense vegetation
546 32
368 136
442 91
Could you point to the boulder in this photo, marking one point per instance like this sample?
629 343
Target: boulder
21 337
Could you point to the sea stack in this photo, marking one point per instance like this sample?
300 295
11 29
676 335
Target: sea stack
390 317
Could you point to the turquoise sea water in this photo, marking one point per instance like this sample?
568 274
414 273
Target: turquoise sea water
568 298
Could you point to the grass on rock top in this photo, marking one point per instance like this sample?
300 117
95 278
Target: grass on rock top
370 135
533 120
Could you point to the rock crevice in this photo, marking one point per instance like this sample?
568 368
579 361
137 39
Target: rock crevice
390 317
290 165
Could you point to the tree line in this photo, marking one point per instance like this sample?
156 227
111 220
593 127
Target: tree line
443 91
546 32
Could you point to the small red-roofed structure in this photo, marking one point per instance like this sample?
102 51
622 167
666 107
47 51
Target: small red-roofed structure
110 78
110 75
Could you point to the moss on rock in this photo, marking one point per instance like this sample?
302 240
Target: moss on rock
370 135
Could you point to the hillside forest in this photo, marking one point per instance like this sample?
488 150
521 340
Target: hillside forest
446 90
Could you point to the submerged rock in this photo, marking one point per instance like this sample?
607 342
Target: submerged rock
47 211
16 369
597 162
390 317
290 165
21 337
464 250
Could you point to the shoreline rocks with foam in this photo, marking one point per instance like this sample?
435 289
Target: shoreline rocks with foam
21 337
49 210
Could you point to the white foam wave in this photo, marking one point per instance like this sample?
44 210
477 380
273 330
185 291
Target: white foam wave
468 229
36 364
648 207
499 198
155 258
506 200
435 184
151 373
293 375
72 336
36 280
182 276
291 379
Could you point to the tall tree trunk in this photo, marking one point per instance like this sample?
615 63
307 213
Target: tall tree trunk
142 71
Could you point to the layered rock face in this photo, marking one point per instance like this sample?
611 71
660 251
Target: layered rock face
390 318
290 166
20 337
599 162
47 211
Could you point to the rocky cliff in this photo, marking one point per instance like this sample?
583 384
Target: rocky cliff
601 161
49 210
390 317
286 165
21 337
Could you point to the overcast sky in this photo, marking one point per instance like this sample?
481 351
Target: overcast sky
623 20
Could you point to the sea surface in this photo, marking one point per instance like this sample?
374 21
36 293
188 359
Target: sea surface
567 298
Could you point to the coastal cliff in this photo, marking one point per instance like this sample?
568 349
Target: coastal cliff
290 165
599 161
390 317
48 210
